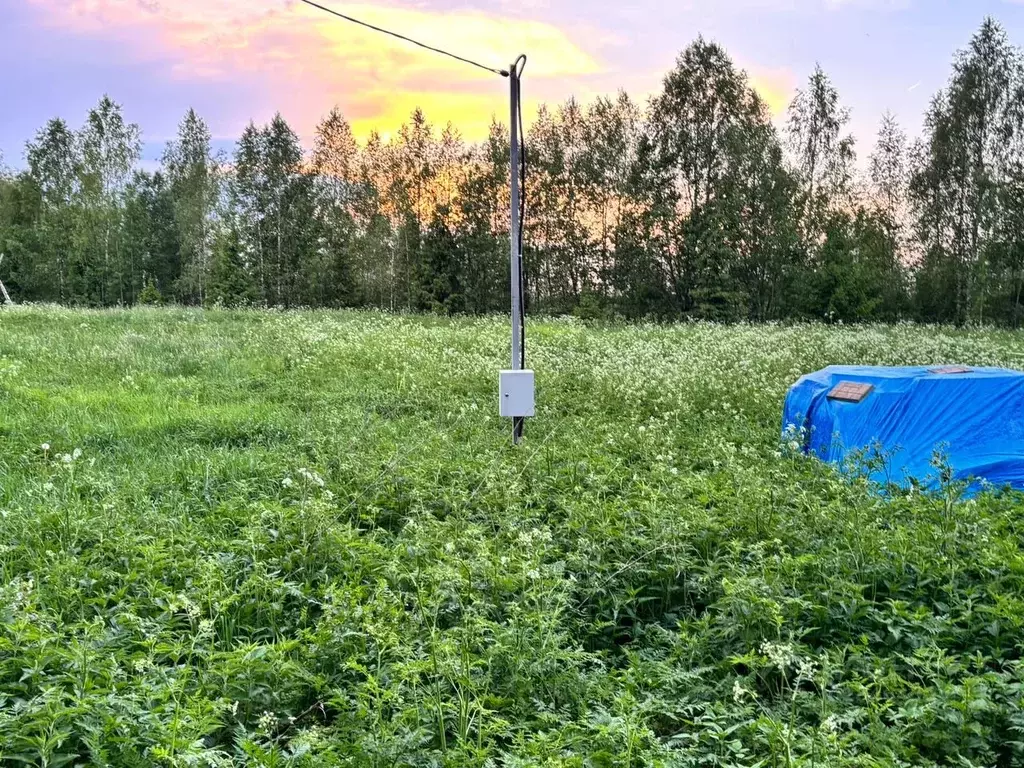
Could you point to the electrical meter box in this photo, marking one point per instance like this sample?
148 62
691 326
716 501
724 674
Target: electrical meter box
515 393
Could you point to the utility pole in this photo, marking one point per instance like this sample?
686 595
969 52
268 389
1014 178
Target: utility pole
515 241
516 385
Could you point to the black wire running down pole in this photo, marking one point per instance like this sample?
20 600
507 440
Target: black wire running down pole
517 188
516 235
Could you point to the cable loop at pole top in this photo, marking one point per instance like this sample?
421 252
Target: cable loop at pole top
518 66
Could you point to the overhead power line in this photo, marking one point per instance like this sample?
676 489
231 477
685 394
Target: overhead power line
516 385
502 72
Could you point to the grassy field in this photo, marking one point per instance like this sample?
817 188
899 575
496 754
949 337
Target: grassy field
258 538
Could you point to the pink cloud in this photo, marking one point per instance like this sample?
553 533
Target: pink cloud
307 60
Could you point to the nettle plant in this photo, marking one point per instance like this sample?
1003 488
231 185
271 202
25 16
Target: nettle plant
302 539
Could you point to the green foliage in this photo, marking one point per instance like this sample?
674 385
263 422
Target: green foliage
303 539
693 206
193 179
150 294
964 182
230 284
437 274
151 238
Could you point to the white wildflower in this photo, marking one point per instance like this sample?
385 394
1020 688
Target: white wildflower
311 477
267 722
805 670
779 654
739 693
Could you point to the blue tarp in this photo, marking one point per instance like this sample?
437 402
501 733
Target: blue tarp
976 418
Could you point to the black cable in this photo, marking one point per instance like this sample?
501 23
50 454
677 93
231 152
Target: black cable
517 70
516 74
501 72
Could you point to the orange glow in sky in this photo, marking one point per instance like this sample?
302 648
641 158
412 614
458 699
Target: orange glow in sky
312 61
241 60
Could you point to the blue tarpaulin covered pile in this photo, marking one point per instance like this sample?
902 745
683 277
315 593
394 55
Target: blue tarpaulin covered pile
974 415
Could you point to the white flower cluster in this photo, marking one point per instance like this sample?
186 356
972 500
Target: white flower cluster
15 596
533 537
9 369
67 459
267 722
794 440
780 655
311 477
741 694
184 603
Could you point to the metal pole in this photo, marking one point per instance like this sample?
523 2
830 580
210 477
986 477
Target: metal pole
516 256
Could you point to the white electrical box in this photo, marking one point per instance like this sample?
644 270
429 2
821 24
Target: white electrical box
515 393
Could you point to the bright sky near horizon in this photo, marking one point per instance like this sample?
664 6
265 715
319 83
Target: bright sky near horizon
236 60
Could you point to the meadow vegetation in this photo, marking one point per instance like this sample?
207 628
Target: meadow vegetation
303 539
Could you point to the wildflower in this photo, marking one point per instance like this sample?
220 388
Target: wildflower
779 654
311 477
45 447
287 482
77 454
805 671
66 458
739 693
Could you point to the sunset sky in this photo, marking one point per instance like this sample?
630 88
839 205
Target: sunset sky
236 60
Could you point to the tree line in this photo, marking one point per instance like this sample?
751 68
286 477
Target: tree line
694 205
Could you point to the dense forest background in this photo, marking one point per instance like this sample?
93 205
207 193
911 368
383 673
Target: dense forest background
694 205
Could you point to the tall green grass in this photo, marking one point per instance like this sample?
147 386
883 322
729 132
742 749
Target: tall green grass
303 539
